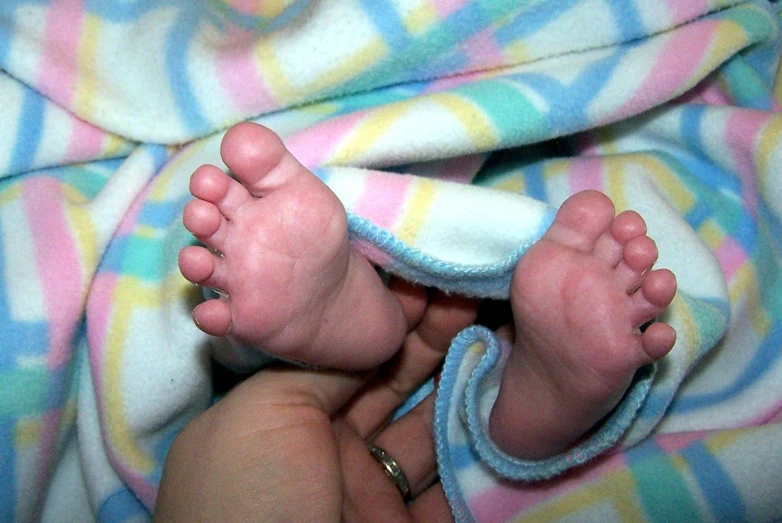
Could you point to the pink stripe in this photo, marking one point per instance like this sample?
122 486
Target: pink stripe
86 142
587 144
708 91
509 499
482 50
248 7
462 169
50 429
446 7
674 67
383 198
742 130
731 257
451 82
314 145
59 65
99 308
586 173
772 415
128 223
239 76
58 263
684 11
675 441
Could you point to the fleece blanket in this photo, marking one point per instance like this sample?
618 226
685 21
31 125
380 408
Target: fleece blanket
450 129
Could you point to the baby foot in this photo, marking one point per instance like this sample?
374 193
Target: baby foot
279 254
579 297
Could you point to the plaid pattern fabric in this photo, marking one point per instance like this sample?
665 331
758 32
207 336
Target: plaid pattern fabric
450 129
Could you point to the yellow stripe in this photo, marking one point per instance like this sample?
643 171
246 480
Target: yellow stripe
778 86
85 89
729 37
417 210
366 134
617 488
517 52
614 173
128 296
272 8
744 285
28 432
283 89
14 192
723 439
472 118
690 335
711 233
514 183
675 192
420 18
768 143
555 168
159 192
80 222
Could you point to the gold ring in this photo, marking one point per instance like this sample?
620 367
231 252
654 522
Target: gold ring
393 470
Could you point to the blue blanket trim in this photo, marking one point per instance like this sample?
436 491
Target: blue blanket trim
487 281
484 450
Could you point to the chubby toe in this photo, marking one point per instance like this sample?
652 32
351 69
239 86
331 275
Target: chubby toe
658 340
213 317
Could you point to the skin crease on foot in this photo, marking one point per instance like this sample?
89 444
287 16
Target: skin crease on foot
276 245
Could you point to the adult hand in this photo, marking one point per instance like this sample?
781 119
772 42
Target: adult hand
291 444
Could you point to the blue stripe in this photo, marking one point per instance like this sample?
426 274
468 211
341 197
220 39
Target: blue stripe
122 505
690 123
28 132
534 183
532 20
569 103
113 11
766 356
7 469
699 214
723 496
387 20
627 20
176 64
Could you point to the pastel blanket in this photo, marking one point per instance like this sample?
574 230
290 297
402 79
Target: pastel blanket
450 129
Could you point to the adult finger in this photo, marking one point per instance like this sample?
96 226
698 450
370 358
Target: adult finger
369 493
421 353
326 390
410 443
431 506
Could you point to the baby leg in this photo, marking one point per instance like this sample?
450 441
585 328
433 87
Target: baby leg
579 297
278 251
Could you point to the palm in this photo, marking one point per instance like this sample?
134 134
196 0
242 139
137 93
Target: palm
291 444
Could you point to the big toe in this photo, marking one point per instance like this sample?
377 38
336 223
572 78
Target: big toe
258 158
581 220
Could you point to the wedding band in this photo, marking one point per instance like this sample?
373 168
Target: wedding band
393 470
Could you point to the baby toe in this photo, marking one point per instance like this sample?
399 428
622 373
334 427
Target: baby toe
654 296
213 317
638 256
205 222
211 184
610 245
201 267
658 340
